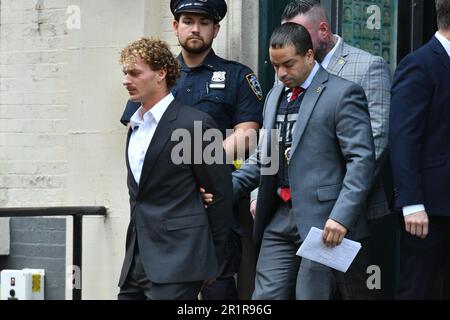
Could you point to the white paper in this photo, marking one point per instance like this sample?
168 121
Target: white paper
339 257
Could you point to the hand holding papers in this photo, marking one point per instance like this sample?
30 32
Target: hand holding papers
339 257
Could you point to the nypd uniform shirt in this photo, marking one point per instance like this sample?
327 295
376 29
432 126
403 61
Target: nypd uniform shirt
228 91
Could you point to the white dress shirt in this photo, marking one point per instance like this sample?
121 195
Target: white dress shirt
305 85
327 59
444 41
144 127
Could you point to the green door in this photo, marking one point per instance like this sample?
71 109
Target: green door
269 18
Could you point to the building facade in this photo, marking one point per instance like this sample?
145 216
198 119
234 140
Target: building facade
61 143
61 97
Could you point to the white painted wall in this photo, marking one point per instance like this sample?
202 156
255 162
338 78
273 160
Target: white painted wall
4 236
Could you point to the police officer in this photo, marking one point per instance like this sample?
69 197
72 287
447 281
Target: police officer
226 90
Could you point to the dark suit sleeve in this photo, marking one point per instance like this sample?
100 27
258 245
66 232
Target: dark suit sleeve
246 178
355 139
130 109
216 179
411 93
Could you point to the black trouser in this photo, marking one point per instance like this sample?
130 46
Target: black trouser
352 285
138 287
249 254
224 288
421 259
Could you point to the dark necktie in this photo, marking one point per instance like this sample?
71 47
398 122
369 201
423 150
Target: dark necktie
285 192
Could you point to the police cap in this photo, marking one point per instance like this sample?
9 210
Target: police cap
216 9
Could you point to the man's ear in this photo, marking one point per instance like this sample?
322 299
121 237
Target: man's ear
323 30
216 29
161 75
310 55
175 24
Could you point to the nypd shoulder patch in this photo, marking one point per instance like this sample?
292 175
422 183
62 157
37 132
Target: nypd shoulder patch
254 84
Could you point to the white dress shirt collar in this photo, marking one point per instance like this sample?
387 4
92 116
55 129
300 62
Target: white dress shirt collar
308 80
140 139
444 41
311 76
327 59
156 112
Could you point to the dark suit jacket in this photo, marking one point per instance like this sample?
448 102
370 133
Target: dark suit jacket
179 240
420 129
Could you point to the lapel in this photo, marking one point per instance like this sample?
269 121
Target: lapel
339 59
271 108
160 138
269 116
133 182
440 53
312 94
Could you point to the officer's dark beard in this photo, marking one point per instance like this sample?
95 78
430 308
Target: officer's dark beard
196 50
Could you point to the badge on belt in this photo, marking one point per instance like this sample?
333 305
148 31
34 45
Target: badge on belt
287 154
218 80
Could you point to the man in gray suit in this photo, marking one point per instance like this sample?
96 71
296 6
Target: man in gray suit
326 165
369 71
353 64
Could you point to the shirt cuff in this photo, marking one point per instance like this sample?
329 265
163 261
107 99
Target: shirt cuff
413 209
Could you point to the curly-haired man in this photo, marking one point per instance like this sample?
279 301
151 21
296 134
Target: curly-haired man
174 244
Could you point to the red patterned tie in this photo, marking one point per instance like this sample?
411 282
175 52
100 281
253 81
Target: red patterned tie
295 93
285 192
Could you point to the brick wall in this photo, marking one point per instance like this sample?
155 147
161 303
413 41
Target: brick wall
39 243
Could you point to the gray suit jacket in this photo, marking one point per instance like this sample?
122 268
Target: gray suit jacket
332 163
373 75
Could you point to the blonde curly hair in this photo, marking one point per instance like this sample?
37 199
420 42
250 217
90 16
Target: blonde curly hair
156 54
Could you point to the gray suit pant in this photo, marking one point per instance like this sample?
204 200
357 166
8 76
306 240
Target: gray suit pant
282 275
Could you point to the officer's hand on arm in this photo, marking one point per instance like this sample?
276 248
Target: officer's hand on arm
207 198
207 282
333 233
253 209
417 224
